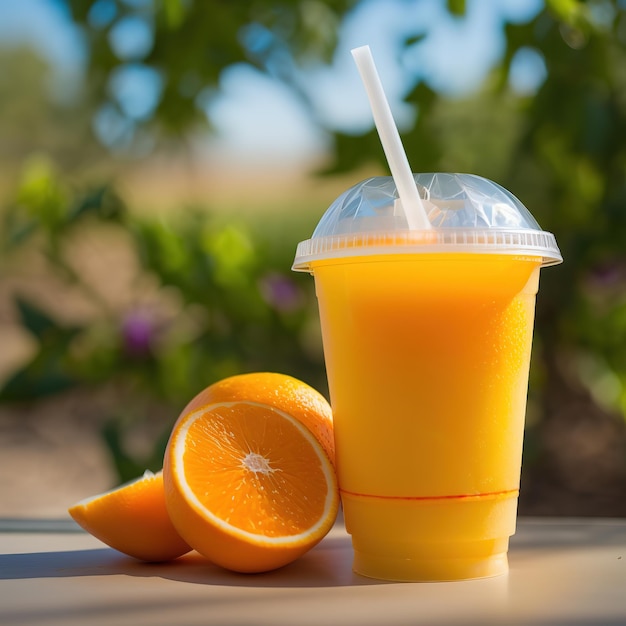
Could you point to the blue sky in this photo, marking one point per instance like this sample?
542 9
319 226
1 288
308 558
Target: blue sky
253 113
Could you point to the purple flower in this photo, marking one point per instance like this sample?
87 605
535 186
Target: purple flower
280 292
138 331
607 274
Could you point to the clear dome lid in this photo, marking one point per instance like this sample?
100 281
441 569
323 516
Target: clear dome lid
468 213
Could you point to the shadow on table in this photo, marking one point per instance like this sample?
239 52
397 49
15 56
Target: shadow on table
327 565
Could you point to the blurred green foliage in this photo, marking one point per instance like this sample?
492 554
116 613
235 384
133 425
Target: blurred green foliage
559 147
239 308
193 42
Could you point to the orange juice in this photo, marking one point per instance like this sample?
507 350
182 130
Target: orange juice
427 358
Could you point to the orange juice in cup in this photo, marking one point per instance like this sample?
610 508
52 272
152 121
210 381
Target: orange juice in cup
427 339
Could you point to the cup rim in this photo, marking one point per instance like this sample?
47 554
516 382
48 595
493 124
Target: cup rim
537 243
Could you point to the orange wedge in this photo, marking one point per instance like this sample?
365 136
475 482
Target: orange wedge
247 483
133 519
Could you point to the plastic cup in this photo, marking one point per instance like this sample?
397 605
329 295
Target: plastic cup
427 340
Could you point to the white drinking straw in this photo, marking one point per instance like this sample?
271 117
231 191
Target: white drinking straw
390 139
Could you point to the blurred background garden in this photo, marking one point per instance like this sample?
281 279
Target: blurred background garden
160 160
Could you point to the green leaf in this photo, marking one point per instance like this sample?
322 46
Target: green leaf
130 466
40 378
34 319
569 11
102 202
49 371
40 192
126 466
173 13
232 252
17 230
456 7
354 151
414 39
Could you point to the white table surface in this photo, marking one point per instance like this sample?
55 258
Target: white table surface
562 572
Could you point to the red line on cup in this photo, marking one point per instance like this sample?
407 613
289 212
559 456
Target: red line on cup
492 494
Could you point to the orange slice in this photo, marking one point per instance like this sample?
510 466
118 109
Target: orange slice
247 484
133 519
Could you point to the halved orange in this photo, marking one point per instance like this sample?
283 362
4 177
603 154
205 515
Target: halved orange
133 519
282 392
247 484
